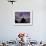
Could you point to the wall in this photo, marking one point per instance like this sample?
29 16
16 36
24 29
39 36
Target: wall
9 31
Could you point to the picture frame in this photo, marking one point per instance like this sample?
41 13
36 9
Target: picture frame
26 15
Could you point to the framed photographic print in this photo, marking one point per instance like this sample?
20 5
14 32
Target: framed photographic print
23 18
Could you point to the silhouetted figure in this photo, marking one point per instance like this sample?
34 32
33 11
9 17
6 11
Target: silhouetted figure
23 20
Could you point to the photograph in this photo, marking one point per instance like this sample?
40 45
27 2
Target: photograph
23 18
